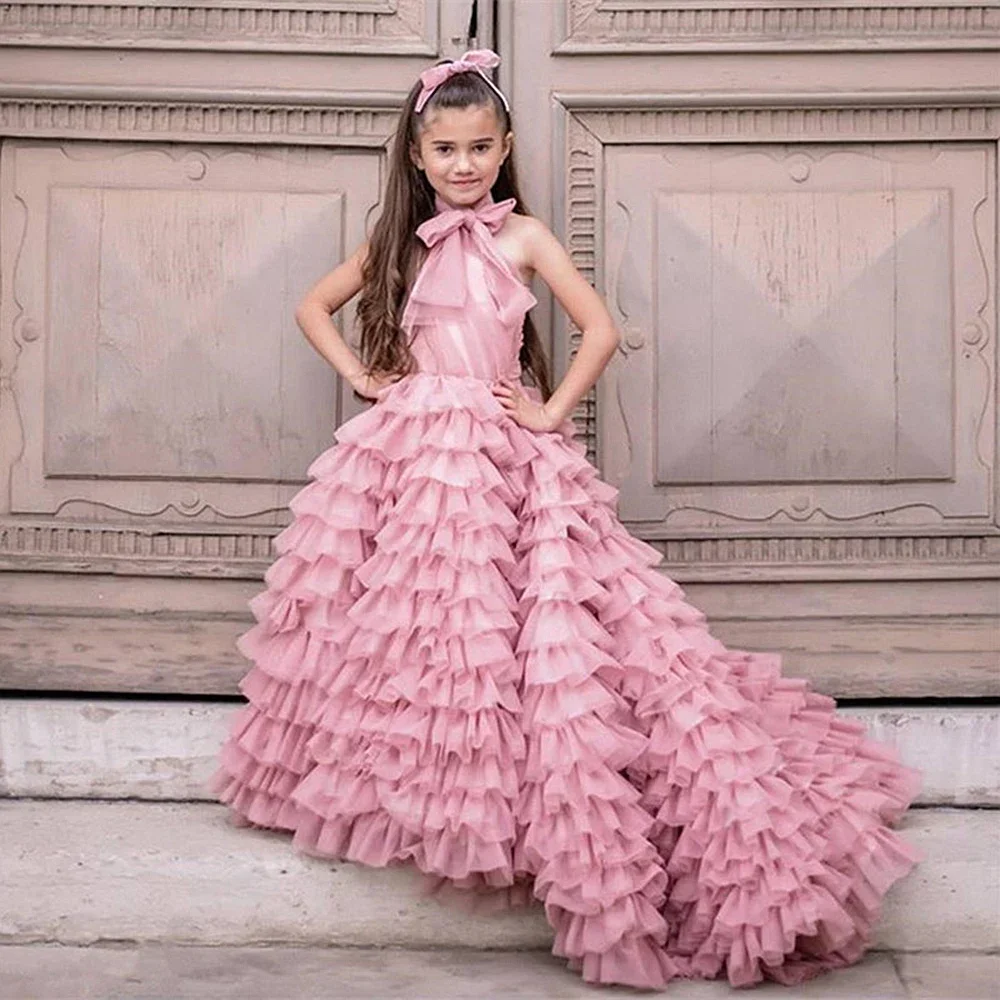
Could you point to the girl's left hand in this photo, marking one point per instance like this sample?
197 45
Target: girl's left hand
375 385
525 411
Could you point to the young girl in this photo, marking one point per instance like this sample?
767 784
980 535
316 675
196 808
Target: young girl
463 660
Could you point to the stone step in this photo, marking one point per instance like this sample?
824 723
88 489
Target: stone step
227 973
108 748
80 872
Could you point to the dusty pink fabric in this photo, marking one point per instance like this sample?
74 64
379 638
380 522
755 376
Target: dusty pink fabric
474 61
462 660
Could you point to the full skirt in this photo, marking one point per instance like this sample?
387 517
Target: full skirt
462 660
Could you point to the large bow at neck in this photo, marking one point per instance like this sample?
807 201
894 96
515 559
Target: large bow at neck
449 236
490 213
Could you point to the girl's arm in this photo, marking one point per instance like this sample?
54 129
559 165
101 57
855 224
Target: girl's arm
545 254
314 317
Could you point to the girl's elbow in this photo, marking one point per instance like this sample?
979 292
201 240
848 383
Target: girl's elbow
303 311
612 337
606 334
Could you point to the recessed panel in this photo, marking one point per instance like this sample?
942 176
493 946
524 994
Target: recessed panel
171 341
795 308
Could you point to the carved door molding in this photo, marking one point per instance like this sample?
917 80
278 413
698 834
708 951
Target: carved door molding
630 26
398 27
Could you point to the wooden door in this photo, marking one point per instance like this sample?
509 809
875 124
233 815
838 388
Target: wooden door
791 210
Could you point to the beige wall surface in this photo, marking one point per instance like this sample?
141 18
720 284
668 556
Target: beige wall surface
790 208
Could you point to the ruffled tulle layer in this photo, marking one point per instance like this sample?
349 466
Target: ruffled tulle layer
462 660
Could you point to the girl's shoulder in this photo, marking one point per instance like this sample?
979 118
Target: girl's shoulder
525 226
518 238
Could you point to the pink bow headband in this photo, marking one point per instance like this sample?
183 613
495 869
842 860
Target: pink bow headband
475 61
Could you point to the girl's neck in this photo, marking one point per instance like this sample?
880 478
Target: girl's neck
442 205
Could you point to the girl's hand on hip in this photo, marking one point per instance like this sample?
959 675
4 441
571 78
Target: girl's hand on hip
372 386
524 410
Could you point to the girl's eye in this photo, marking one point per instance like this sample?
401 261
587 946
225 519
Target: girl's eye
480 147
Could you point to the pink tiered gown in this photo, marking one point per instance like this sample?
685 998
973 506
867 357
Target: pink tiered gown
463 660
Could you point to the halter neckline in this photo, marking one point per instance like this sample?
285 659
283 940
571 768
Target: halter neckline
441 206
449 235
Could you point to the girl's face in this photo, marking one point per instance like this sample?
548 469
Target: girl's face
460 151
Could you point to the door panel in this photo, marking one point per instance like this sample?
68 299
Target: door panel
792 351
159 371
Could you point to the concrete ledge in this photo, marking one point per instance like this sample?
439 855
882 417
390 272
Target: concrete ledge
106 748
168 972
933 976
83 872
58 748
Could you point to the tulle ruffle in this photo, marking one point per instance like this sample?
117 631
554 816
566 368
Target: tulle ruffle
462 660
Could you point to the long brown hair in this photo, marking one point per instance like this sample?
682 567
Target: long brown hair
395 251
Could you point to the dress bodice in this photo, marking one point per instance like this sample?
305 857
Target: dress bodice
465 312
